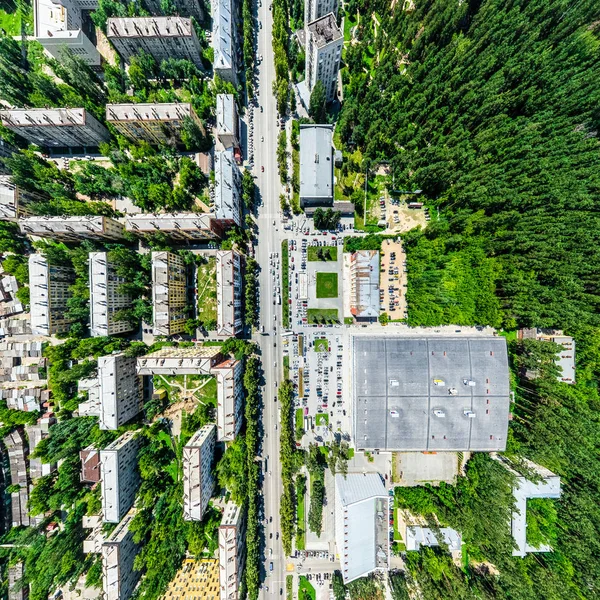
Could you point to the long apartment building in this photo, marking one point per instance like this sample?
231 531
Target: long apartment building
228 128
119 577
184 227
14 443
229 293
16 589
158 123
324 43
73 229
228 192
169 294
198 478
120 476
16 202
106 299
49 291
56 127
230 398
232 551
161 37
223 39
186 8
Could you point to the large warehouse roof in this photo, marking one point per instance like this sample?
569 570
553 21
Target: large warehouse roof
430 394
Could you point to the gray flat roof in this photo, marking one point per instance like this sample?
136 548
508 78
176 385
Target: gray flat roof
225 113
161 111
430 394
325 30
316 161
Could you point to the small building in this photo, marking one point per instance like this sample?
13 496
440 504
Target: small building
35 434
364 284
324 43
316 165
228 129
158 123
229 293
90 465
195 580
56 127
198 478
15 202
169 293
228 192
416 537
223 39
73 229
232 551
183 227
189 8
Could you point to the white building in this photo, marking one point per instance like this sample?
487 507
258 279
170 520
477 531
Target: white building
361 524
105 297
315 9
316 165
232 551
72 229
223 39
228 192
15 202
178 226
230 398
120 476
364 284
173 360
49 291
228 130
187 8
198 479
324 43
169 297
229 293
416 537
566 357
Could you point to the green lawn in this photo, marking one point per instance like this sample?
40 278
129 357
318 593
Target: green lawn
299 423
348 320
322 419
323 253
207 291
10 22
289 587
322 315
321 345
327 285
305 589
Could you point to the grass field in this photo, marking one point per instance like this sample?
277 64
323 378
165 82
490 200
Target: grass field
301 519
323 253
321 345
327 285
207 291
322 419
320 315
305 589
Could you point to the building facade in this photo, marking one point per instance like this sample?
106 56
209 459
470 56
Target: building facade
315 9
228 129
229 293
228 189
120 476
49 291
161 37
15 202
159 123
72 229
324 43
316 165
198 479
232 551
169 295
364 284
184 227
230 398
224 39
183 8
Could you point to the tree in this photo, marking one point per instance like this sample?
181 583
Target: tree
318 100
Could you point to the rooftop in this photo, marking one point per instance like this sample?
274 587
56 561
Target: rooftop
167 221
316 161
222 41
35 117
201 436
355 488
135 27
226 114
424 536
365 284
164 111
325 30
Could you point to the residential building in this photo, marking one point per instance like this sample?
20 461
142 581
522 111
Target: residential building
14 443
90 465
315 9
229 293
223 39
28 399
566 357
316 165
35 434
184 8
56 127
195 580
430 394
106 299
16 589
361 524
161 37
232 551
6 151
228 128
158 123
73 229
119 577
198 478
184 227
169 293
228 192
417 537
324 43
49 291
195 360
230 398
364 284
63 23
9 303
15 202
93 542
120 476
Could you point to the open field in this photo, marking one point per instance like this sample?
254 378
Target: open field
327 285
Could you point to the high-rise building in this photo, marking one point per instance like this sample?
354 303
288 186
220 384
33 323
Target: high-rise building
178 226
106 299
316 165
169 297
159 123
15 202
183 8
198 479
232 551
228 130
120 476
229 293
324 43
56 127
161 37
49 291
228 193
230 398
223 39
72 229
174 360
315 9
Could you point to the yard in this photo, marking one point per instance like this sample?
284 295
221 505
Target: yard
305 589
323 253
322 419
207 293
322 315
327 285
321 345
187 387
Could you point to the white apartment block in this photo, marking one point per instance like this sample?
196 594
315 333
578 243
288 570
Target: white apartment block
194 360
228 131
105 297
15 202
185 8
229 293
49 291
223 40
178 226
198 479
228 192
159 123
59 24
324 42
72 229
168 293
119 578
56 127
120 477
315 9
232 551
161 37
230 398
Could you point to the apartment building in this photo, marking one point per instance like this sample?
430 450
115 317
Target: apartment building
35 434
194 360
228 129
315 9
106 299
90 465
228 188
184 8
316 165
229 293
73 229
49 291
56 127
224 39
230 398
120 476
232 551
65 23
184 227
161 37
158 123
16 589
15 202
119 577
14 443
169 294
198 478
324 42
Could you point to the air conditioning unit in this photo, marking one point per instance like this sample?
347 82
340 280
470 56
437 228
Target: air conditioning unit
439 413
469 413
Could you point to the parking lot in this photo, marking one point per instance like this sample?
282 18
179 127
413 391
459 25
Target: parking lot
392 280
